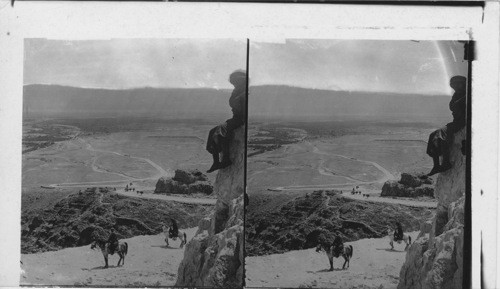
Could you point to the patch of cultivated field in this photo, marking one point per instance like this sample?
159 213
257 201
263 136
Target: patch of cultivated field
140 155
64 162
125 165
357 159
396 151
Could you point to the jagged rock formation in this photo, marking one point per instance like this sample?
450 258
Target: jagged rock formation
184 182
214 257
298 223
435 259
79 218
410 185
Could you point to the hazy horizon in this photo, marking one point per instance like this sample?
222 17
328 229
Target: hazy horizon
129 63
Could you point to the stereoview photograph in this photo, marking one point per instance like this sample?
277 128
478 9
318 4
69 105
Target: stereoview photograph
133 162
356 164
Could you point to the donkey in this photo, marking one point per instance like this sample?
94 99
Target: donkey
122 251
346 253
174 233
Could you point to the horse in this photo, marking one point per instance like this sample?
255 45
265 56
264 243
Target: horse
122 250
173 234
346 253
406 238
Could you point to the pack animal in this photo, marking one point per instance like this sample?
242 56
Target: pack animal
406 238
121 250
346 251
173 233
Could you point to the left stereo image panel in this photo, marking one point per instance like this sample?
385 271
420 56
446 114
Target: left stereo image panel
133 162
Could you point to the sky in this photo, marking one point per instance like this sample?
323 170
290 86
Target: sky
131 63
422 67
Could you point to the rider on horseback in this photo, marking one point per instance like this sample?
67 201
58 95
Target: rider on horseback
338 246
173 232
398 232
113 243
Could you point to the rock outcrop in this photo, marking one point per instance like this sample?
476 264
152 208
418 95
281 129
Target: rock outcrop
214 257
435 259
184 182
410 185
79 218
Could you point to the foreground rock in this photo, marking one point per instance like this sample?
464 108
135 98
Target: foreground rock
435 259
410 185
214 257
297 223
184 182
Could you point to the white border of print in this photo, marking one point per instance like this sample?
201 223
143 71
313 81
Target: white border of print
262 22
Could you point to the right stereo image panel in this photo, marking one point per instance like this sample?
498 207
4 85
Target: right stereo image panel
356 163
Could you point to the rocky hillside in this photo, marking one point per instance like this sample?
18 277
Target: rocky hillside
78 217
298 223
184 182
435 260
214 257
410 185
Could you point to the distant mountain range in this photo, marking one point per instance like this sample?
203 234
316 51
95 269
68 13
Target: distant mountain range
264 101
286 101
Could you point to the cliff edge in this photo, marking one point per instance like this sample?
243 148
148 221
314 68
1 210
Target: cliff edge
214 257
435 259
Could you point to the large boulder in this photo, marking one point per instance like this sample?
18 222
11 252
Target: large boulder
184 182
214 257
410 185
435 259
189 177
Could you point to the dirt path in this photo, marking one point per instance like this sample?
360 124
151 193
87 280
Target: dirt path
373 265
346 187
186 200
148 263
353 182
127 179
407 202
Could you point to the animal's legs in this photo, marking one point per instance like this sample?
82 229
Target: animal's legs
392 245
343 266
119 260
331 264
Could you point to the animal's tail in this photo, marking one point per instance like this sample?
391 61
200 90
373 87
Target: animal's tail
352 251
185 237
126 248
409 239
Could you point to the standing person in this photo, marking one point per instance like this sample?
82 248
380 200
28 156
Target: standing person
219 137
440 141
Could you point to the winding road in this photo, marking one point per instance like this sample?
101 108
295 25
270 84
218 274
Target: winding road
128 179
324 171
355 182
